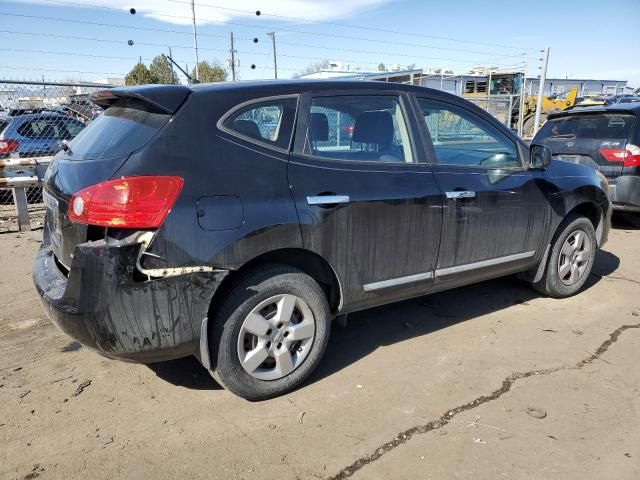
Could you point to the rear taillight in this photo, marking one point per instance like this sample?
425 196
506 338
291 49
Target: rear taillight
629 156
8 146
130 202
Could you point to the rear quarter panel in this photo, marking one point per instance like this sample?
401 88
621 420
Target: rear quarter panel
217 165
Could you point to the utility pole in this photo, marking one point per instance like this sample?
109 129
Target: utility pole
275 59
523 91
543 77
233 60
195 36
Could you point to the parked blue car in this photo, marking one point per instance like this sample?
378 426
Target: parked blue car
36 134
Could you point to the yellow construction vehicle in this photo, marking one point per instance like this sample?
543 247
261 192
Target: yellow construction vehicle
552 104
510 83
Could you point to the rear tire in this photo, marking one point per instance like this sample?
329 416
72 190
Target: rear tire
570 259
270 332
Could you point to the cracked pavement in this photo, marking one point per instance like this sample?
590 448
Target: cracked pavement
488 381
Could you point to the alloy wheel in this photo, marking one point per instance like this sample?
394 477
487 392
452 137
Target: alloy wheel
574 257
276 337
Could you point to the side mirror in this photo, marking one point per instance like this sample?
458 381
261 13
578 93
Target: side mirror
539 156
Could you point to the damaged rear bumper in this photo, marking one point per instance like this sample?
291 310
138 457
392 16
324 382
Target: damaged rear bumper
102 306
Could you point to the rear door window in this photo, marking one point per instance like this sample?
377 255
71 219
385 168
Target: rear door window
121 129
360 128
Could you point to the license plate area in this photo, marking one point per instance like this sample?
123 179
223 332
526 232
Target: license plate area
53 222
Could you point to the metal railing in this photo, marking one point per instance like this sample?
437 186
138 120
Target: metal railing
36 118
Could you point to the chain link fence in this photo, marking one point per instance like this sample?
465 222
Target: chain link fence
36 119
504 107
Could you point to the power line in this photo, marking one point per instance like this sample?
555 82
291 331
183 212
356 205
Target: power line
115 25
47 69
76 54
360 27
360 51
347 37
119 42
222 36
307 57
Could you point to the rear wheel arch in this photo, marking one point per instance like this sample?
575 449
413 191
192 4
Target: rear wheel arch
304 260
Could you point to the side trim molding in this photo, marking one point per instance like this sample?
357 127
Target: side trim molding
484 263
397 281
394 282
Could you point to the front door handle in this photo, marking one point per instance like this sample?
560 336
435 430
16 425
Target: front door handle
456 195
327 199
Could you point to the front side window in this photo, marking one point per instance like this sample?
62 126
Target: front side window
270 121
461 138
365 128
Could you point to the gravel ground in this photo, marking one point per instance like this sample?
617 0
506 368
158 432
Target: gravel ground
484 382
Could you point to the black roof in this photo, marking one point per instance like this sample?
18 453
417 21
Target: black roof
169 97
301 85
633 108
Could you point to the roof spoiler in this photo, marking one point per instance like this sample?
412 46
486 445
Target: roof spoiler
166 98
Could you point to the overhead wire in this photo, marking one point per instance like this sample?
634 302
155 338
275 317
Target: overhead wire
322 34
285 55
354 26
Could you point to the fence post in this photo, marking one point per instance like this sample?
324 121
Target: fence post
543 76
22 209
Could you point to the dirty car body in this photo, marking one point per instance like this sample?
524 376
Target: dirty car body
371 217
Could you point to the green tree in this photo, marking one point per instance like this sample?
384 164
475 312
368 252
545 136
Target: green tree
139 75
161 71
382 67
209 72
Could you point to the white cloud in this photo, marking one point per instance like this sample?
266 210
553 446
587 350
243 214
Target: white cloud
216 11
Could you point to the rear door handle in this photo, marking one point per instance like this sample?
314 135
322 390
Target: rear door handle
461 194
327 199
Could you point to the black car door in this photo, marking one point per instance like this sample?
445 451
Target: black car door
364 202
495 208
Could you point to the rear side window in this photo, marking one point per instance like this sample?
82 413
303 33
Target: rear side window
269 122
606 126
121 129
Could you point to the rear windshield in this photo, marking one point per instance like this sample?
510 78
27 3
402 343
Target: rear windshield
121 129
606 126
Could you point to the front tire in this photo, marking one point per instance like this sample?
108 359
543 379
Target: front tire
270 332
570 259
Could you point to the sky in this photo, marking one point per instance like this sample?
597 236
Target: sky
70 39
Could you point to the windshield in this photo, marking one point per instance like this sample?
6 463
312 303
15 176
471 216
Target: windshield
121 129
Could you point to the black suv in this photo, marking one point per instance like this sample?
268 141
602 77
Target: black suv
606 138
234 221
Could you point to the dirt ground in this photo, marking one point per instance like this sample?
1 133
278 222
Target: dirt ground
484 382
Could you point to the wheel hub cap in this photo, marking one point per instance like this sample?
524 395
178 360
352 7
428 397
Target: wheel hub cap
276 337
574 258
